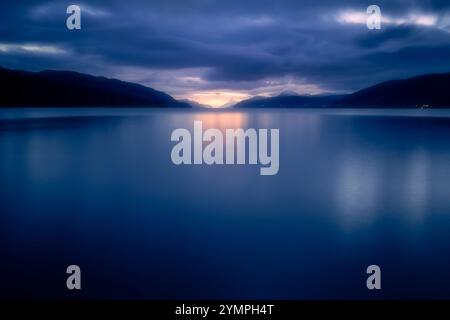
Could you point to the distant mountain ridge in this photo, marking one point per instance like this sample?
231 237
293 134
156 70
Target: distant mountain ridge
430 90
289 101
73 89
195 104
424 90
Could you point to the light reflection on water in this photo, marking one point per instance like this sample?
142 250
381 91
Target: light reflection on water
357 189
417 185
98 187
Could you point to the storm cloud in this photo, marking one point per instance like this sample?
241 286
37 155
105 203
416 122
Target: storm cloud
190 47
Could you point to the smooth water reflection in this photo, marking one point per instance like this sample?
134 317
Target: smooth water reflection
97 188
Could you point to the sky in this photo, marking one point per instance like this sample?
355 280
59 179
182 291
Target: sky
219 52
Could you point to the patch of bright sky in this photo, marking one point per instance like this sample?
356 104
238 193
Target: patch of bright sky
30 48
358 17
217 99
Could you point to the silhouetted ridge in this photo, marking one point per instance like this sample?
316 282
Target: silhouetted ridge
286 101
73 89
432 90
426 90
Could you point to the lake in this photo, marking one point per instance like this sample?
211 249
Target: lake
97 188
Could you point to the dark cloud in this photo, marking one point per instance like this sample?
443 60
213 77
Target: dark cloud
188 45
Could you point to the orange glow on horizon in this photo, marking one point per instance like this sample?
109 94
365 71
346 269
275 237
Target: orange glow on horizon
217 99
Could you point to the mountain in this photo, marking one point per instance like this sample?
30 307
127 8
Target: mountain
289 101
431 89
72 89
426 90
195 104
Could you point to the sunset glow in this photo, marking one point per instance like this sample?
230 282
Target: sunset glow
217 99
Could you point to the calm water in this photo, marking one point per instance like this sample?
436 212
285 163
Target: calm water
97 188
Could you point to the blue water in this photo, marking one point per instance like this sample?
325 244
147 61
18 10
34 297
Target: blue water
97 188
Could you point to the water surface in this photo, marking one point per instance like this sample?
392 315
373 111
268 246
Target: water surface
97 188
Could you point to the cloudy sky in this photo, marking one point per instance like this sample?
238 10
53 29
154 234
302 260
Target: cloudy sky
221 51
